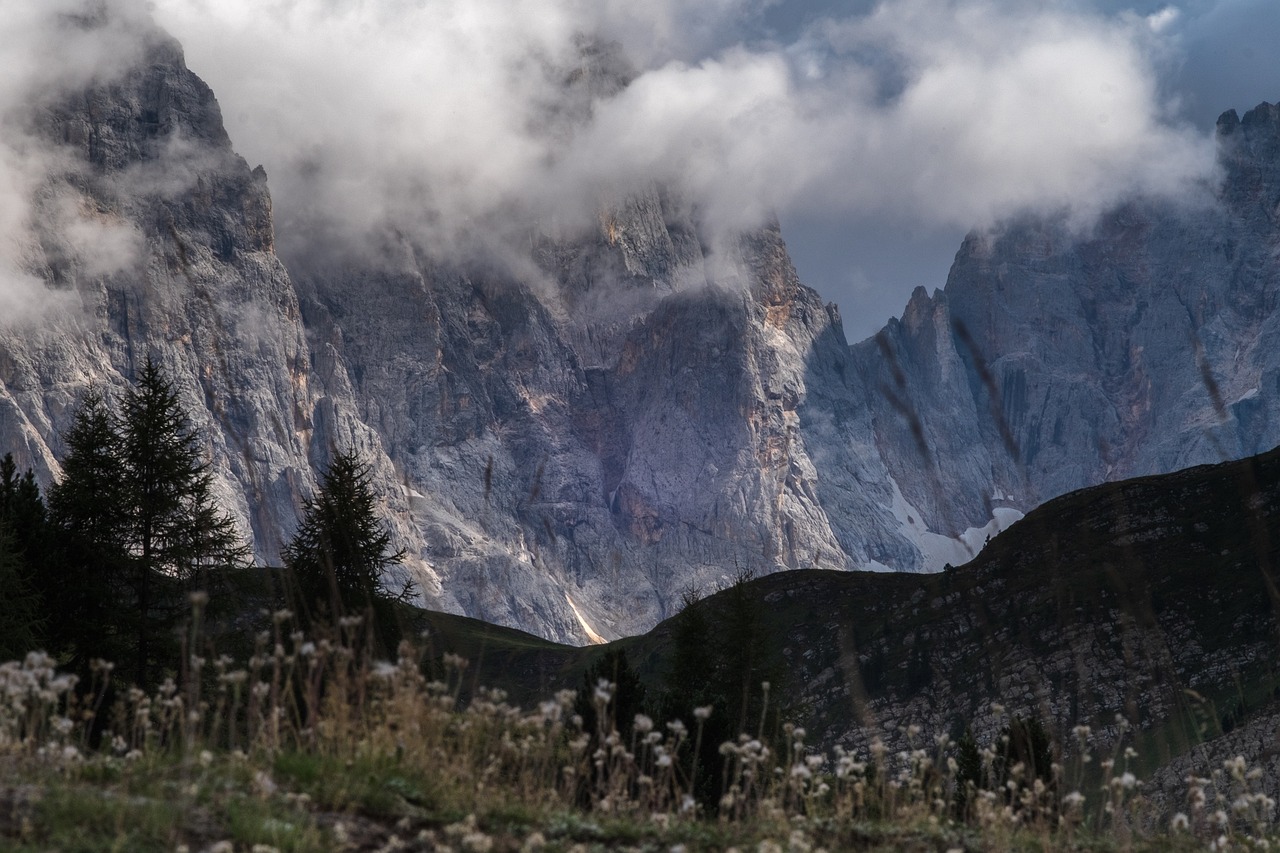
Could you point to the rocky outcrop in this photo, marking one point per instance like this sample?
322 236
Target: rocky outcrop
581 458
1056 359
1242 763
1151 598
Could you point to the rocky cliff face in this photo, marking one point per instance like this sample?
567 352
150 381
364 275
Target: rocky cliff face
1054 360
652 414
565 451
639 410
581 456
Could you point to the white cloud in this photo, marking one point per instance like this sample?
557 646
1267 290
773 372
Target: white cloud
99 244
1162 20
1005 108
434 114
462 120
47 49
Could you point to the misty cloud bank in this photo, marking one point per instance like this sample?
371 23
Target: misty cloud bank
473 122
441 113
48 49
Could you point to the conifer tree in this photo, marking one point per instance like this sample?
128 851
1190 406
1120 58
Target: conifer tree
600 718
84 580
21 507
88 501
341 550
174 529
19 603
22 551
136 500
746 656
625 701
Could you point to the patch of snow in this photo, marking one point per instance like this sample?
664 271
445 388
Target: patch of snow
938 550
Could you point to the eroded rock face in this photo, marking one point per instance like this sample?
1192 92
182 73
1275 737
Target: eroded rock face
198 287
568 454
581 457
1055 360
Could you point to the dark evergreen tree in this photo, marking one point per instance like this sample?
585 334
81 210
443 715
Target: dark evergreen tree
136 503
601 718
970 774
1026 742
88 501
22 508
174 529
20 610
627 698
173 525
24 545
747 659
690 680
1025 745
84 580
721 657
341 551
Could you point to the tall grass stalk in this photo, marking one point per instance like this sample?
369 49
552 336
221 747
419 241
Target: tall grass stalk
313 726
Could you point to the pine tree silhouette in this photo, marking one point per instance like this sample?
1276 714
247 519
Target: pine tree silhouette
341 551
136 503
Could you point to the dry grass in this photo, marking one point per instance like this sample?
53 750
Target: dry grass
312 745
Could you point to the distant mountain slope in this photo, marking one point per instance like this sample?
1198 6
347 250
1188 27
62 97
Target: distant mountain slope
1055 360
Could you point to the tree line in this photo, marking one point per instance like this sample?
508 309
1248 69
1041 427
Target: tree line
103 566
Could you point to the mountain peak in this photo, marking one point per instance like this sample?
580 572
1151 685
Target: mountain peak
1263 115
1228 122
